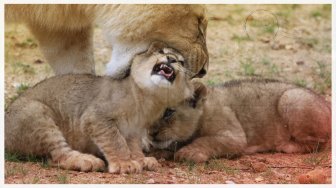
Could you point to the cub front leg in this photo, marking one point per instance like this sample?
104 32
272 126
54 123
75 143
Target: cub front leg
198 151
205 148
225 142
113 145
148 163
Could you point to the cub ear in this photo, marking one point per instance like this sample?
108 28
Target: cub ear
200 92
156 46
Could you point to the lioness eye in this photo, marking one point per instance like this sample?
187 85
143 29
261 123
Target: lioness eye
161 51
182 63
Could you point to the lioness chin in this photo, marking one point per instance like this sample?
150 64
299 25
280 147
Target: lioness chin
244 117
74 119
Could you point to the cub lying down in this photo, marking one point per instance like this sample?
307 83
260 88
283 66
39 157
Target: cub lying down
245 116
72 119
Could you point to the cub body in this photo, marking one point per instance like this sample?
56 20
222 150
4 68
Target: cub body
246 116
72 119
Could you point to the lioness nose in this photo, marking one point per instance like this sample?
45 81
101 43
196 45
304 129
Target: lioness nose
201 73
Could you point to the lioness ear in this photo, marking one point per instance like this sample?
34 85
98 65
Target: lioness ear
200 92
202 25
156 46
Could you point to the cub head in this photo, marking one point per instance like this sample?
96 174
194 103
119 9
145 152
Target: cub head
179 124
160 71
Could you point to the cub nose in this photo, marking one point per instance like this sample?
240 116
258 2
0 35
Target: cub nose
171 59
154 136
153 132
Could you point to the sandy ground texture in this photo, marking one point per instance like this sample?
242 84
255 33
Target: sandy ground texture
286 42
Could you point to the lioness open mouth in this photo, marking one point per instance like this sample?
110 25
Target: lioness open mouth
165 70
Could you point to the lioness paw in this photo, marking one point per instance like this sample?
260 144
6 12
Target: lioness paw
194 155
124 166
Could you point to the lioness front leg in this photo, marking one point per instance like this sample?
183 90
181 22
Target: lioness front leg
114 147
148 163
67 51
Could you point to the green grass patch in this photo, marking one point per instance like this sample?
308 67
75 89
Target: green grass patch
316 14
190 164
248 69
14 157
22 88
63 178
324 74
300 82
19 90
316 159
265 61
219 165
19 67
240 39
11 171
269 28
28 43
322 12
36 180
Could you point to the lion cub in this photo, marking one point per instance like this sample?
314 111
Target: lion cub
245 116
72 119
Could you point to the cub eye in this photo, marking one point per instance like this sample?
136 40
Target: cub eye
192 103
161 51
182 63
168 113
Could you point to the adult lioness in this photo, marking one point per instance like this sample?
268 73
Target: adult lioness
65 33
68 118
246 116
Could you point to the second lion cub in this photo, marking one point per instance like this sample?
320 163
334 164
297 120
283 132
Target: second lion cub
245 116
73 119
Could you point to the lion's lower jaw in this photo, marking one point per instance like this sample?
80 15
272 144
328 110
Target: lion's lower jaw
160 81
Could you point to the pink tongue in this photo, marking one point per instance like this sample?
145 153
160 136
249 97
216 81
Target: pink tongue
165 74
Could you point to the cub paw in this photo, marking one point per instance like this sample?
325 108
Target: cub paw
150 163
79 161
125 166
194 155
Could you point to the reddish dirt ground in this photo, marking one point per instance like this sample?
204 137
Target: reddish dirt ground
268 168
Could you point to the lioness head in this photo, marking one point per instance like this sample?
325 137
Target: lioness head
160 71
179 124
181 27
185 30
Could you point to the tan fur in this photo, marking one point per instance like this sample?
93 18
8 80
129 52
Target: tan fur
65 33
72 119
246 117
